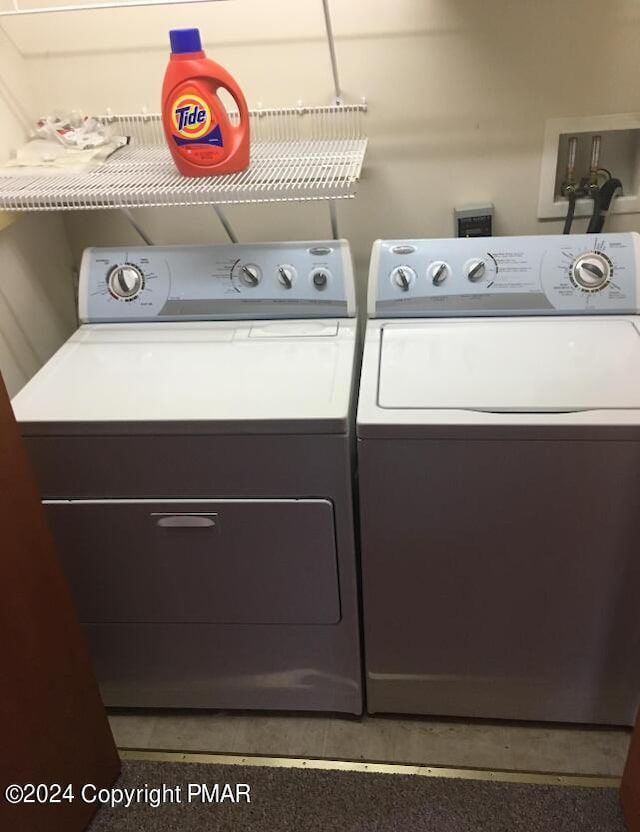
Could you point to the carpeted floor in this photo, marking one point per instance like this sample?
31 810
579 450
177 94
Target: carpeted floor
298 800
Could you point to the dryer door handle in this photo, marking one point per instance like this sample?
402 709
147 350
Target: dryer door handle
185 521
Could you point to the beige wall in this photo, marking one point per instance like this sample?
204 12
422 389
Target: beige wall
459 91
36 290
37 306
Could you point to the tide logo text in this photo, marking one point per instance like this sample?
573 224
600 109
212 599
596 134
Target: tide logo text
190 116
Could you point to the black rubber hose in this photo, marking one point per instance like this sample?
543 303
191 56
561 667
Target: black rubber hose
596 211
601 203
570 212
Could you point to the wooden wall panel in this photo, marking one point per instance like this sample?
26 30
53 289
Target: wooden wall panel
630 790
53 726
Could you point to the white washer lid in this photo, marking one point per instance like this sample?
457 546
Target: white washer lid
513 366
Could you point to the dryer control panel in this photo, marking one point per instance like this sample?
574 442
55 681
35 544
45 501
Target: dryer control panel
574 274
226 282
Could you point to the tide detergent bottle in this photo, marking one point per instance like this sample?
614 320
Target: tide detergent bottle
201 138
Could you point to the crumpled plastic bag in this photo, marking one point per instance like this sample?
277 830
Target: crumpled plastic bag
72 131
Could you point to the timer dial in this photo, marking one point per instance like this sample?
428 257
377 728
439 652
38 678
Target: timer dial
125 281
591 272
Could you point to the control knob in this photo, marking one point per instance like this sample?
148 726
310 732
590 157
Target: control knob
403 277
250 275
475 270
125 281
591 271
320 279
286 276
438 272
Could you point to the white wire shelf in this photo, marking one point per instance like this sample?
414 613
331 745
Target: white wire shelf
16 8
297 154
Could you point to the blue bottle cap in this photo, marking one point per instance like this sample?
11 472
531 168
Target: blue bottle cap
185 40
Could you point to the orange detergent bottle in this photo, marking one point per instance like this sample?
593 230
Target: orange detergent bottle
201 138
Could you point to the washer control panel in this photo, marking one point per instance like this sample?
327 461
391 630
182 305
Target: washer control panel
573 274
228 282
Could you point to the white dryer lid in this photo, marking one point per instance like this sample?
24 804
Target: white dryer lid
234 377
545 365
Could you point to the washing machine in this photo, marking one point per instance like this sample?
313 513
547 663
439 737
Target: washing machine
499 472
193 443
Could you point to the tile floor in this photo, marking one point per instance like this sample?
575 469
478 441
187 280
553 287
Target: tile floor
457 743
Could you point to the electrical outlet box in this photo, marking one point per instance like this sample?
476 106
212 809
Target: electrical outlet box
619 153
473 221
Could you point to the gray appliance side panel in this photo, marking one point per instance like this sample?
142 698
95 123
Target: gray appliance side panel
185 466
318 666
501 578
192 427
515 430
234 667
